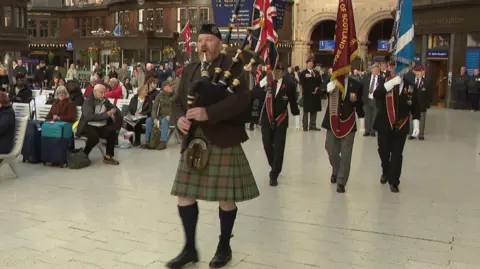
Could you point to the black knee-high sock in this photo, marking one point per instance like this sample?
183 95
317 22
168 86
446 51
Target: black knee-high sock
227 220
189 216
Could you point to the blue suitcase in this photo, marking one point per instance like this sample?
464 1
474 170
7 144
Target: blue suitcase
56 138
31 149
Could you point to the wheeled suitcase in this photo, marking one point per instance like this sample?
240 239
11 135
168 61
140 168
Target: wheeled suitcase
32 145
56 138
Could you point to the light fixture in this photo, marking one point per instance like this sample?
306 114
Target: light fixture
141 2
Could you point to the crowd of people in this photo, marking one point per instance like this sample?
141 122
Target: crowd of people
100 117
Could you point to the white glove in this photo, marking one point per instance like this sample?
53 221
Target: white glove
361 126
331 86
416 128
392 83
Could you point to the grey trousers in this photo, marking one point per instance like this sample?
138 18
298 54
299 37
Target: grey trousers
423 119
370 108
340 154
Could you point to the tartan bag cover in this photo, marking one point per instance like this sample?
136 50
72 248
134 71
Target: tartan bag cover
228 177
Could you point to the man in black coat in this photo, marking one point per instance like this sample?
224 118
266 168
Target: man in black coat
340 122
474 90
460 85
274 119
20 93
397 100
312 96
422 87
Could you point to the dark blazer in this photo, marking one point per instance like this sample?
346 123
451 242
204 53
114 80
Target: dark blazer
23 96
218 130
4 80
77 97
352 102
285 95
7 129
311 102
88 115
366 85
474 85
424 93
146 107
404 109
461 82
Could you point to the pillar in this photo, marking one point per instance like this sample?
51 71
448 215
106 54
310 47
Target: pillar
363 53
301 50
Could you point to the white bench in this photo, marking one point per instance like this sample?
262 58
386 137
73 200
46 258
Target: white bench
42 111
8 159
22 110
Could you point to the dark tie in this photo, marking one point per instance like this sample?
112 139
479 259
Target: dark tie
372 84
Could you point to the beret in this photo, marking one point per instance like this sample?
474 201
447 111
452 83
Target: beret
210 29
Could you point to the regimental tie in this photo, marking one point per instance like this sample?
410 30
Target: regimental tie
372 84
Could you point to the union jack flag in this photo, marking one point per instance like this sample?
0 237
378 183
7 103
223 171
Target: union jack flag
264 27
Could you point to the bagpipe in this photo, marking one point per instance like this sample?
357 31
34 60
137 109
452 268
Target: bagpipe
209 90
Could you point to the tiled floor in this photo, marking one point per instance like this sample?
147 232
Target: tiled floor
123 217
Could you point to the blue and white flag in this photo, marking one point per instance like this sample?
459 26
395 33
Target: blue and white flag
117 31
402 45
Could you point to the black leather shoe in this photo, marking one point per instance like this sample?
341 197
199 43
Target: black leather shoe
411 138
394 189
185 257
372 134
421 138
383 179
222 256
340 188
333 179
305 129
315 129
273 182
366 134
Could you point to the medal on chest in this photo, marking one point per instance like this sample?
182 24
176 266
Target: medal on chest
409 93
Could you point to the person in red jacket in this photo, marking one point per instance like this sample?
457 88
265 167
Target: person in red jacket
116 91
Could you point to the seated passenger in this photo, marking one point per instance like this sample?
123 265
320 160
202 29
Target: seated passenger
63 109
161 112
116 91
140 105
7 125
20 93
98 121
75 92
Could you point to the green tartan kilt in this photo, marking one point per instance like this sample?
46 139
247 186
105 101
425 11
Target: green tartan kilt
227 177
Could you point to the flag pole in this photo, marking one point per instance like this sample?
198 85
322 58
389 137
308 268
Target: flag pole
188 22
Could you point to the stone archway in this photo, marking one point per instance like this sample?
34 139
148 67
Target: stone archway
368 24
301 49
307 27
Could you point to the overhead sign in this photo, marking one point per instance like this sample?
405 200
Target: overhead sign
437 54
69 46
223 9
326 45
280 7
472 59
383 45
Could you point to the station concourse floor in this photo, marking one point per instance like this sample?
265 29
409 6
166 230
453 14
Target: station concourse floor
124 217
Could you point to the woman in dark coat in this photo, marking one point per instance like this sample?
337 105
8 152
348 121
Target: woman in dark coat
140 105
7 125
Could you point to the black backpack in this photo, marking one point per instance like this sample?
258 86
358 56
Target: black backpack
78 160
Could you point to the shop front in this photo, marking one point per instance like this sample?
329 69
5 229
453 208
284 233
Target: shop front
112 51
447 38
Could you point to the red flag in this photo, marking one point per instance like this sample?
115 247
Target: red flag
187 37
346 45
264 28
